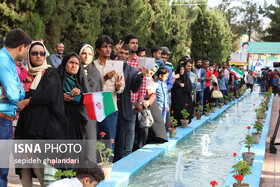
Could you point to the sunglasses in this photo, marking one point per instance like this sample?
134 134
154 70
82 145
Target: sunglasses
36 53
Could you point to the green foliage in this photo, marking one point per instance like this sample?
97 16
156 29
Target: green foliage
213 104
10 19
207 107
241 168
199 108
272 32
65 174
173 122
211 36
226 97
185 114
221 100
249 142
104 152
258 127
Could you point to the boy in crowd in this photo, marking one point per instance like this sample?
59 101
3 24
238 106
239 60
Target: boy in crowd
88 175
162 91
156 53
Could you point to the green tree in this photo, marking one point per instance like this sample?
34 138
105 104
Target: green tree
160 23
9 19
182 17
85 26
211 36
272 32
250 18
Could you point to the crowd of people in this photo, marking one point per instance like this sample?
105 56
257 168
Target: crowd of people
42 94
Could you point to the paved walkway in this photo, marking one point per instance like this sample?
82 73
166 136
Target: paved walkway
271 167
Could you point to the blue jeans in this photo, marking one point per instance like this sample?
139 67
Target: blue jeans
224 92
199 97
263 86
6 133
109 126
130 134
163 113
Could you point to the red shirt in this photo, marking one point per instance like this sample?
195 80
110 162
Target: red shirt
208 74
138 96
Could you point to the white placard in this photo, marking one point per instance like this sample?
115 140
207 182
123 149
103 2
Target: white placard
114 65
146 62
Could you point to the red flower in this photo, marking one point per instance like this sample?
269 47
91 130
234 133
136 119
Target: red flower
263 121
170 124
248 127
238 177
52 162
213 183
234 154
207 102
172 112
72 162
263 111
198 102
186 104
266 103
102 134
112 140
262 99
254 104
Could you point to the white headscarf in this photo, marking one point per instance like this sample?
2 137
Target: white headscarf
36 71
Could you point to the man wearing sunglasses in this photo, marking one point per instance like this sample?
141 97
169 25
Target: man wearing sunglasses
12 93
56 59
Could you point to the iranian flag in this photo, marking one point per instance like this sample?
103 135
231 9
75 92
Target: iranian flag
238 74
99 105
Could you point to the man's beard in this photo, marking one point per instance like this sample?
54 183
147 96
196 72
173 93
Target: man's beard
198 66
60 52
123 59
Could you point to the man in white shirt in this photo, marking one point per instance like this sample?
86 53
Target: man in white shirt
88 175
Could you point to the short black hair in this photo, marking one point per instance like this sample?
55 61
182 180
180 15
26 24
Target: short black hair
17 37
126 47
129 37
102 39
204 61
141 48
155 49
198 59
90 170
162 71
245 43
57 44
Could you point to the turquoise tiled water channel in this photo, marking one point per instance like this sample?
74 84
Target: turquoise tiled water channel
200 169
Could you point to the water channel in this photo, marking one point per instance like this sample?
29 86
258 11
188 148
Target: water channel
206 155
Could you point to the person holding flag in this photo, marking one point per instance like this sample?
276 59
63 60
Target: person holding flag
111 82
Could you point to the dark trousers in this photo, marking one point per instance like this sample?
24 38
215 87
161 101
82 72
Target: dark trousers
109 126
250 86
6 133
120 137
275 90
207 96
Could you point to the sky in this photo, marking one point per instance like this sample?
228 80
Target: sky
266 21
214 3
